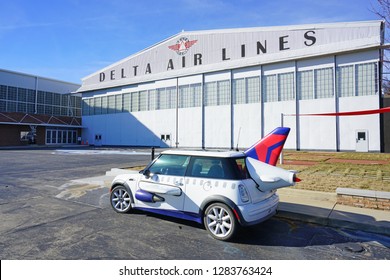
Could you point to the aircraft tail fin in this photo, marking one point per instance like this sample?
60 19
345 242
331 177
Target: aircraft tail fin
269 148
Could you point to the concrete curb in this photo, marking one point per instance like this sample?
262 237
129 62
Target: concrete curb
365 193
332 222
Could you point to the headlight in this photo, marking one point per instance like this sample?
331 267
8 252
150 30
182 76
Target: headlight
243 193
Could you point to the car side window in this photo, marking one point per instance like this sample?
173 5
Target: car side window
240 166
209 167
170 165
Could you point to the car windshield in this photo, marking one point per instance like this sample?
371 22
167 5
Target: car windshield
170 165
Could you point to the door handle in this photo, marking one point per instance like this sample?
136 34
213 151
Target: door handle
178 184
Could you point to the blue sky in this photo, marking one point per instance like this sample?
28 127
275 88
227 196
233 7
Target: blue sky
68 40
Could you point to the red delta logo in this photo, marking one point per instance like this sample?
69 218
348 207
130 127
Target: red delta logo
182 45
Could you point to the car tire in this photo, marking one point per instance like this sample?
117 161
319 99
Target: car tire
220 221
120 199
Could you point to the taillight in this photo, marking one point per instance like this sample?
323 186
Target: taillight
296 179
243 193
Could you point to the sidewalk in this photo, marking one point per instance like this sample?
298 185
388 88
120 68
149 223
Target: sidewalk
322 208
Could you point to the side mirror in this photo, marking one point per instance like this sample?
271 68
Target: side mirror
146 173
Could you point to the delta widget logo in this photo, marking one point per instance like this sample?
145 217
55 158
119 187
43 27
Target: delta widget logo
182 45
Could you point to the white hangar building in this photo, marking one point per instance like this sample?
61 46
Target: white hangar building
230 87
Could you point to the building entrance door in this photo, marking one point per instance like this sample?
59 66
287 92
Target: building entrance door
98 139
61 136
361 140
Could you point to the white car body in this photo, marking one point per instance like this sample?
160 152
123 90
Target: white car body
219 189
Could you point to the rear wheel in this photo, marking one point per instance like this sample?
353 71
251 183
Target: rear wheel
220 221
120 199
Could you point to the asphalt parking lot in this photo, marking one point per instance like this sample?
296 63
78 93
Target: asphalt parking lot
54 205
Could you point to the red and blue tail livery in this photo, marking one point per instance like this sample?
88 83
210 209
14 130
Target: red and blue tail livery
269 148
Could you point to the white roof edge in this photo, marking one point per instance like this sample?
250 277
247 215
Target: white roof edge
385 46
37 76
290 27
209 153
245 29
130 56
248 62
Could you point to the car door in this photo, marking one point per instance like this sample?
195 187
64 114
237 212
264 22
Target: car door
207 177
162 185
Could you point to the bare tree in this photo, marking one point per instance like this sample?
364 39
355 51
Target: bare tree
384 11
384 14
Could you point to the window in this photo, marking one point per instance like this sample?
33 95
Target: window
196 94
22 107
126 102
270 88
3 92
143 100
217 93
323 82
64 100
118 103
366 79
210 94
31 96
71 101
86 107
253 89
30 108
286 86
108 104
15 99
56 109
11 106
223 92
61 136
241 169
56 99
152 100
239 91
213 168
305 84
41 97
49 110
246 90
190 96
166 98
184 96
12 93
345 81
98 105
22 94
49 98
162 99
170 165
77 101
171 93
134 102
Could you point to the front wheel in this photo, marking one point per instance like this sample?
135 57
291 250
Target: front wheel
120 199
220 221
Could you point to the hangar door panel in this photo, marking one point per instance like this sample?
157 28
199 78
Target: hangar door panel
217 127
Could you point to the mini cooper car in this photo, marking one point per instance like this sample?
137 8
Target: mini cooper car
221 190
